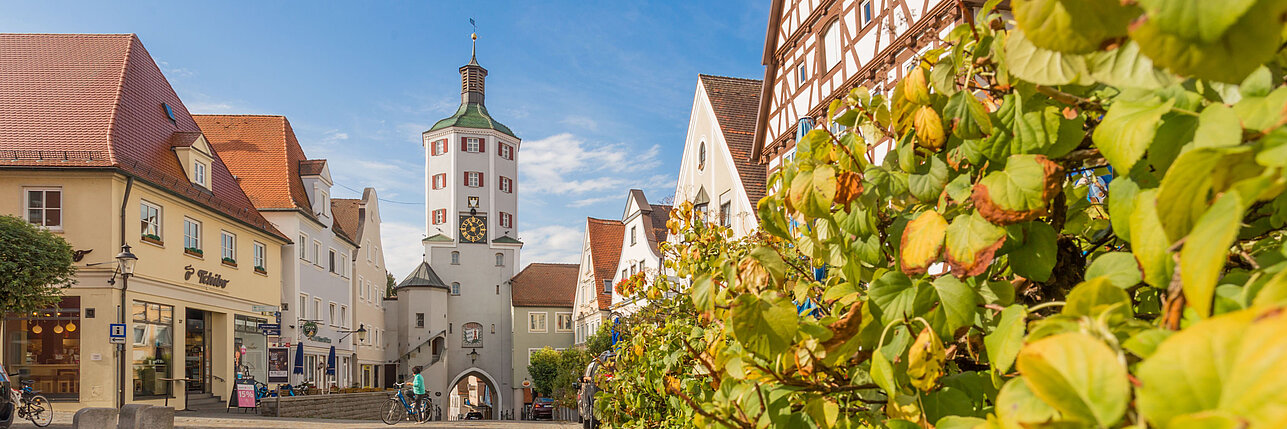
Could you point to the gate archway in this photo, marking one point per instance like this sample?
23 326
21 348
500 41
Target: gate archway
474 390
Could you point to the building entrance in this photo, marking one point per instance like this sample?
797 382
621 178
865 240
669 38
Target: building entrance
196 356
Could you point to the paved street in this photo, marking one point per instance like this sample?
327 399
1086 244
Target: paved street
222 420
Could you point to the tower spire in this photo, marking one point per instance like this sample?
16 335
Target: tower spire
472 75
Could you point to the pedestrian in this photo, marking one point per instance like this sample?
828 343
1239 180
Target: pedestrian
418 391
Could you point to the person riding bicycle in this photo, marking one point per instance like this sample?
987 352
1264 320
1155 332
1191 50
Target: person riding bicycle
418 387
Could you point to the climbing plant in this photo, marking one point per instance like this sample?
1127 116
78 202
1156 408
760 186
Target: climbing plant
1072 219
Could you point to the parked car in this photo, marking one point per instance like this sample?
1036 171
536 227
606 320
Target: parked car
474 415
543 408
599 369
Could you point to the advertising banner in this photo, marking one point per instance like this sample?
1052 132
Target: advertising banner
278 364
245 394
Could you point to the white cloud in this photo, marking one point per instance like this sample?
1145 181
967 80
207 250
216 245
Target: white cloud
173 72
580 122
563 164
592 201
402 248
551 243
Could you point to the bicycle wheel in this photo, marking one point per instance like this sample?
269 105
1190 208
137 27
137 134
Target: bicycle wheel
422 410
393 412
40 411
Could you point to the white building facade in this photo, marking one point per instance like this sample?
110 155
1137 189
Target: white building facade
717 174
644 229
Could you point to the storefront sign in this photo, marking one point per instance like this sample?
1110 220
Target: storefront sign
278 364
263 308
245 393
270 328
310 329
204 277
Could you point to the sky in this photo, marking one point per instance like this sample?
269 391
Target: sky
600 92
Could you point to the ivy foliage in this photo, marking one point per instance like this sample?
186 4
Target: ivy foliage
1073 220
35 266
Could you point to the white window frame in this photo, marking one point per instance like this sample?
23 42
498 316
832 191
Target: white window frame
506 151
506 185
227 245
44 198
362 288
344 316
802 73
633 239
200 173
317 309
455 257
330 262
189 236
532 319
500 259
455 288
474 179
153 228
303 246
831 45
331 313
473 144
317 253
559 317
866 12
607 284
303 306
260 255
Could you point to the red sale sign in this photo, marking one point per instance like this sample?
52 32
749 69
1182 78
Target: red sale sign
245 395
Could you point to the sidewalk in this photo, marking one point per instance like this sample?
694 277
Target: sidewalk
62 420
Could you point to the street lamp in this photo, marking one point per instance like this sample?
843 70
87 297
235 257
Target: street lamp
473 356
361 333
125 262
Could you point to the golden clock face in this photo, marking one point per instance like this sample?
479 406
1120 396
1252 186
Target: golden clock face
473 229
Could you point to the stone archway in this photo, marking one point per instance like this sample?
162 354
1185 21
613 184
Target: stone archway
470 381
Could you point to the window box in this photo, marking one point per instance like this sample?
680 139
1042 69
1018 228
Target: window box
193 251
261 270
229 262
153 238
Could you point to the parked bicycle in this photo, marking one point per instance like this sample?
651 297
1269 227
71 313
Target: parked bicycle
399 407
31 405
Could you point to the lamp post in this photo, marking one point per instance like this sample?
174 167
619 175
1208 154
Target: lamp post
125 262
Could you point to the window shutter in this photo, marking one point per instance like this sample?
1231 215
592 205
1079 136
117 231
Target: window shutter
464 144
482 145
480 180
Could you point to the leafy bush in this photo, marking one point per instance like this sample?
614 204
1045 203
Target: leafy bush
1079 224
35 265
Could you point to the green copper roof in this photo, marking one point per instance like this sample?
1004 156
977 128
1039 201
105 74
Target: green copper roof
472 115
437 238
506 239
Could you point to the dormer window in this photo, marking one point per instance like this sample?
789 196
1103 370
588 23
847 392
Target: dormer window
199 175
169 113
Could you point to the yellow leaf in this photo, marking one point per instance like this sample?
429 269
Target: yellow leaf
929 128
915 87
925 360
922 242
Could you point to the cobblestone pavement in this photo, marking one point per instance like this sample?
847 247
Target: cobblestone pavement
248 421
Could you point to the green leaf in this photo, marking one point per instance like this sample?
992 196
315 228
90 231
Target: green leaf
1118 268
1121 203
1148 241
971 243
1036 257
1203 257
813 191
764 326
1073 26
1220 41
1144 343
1232 363
967 117
956 302
959 188
1041 66
927 181
1262 113
895 297
946 402
1004 342
958 422
1019 407
1127 67
1218 126
1182 196
882 371
1079 376
1128 129
1095 296
1021 192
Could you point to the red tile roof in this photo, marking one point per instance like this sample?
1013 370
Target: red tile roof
736 102
345 211
96 101
545 285
264 154
605 250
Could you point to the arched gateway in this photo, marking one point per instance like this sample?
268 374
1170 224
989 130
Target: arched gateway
466 394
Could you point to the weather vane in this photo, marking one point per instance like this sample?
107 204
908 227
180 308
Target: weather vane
474 37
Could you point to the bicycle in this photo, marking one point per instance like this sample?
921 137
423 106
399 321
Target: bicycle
399 408
31 405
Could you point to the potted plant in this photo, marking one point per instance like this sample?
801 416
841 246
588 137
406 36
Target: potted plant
153 238
229 262
261 270
193 251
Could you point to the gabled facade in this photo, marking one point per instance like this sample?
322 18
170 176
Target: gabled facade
600 254
717 174
293 193
816 51
542 306
96 146
360 217
644 229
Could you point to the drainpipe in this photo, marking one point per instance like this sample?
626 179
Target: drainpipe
120 314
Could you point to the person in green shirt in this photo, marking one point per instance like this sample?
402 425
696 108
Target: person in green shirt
418 397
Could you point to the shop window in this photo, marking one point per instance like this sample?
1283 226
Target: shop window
153 348
44 346
246 333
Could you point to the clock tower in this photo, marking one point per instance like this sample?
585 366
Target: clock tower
471 249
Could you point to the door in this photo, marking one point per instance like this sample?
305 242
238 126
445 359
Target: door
196 364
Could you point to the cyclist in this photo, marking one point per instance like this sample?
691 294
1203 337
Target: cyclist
418 396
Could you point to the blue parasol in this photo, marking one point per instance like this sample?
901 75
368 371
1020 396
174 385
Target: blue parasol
330 362
299 359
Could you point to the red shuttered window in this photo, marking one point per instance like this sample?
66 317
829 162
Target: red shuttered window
440 180
439 216
506 185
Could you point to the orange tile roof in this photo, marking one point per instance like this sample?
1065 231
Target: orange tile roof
545 285
97 101
345 211
264 154
605 237
736 102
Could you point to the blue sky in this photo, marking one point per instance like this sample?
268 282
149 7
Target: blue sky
600 92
